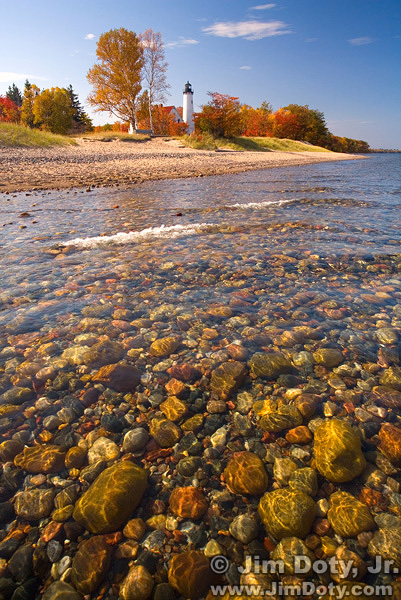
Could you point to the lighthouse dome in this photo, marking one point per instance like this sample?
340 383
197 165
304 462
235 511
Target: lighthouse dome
188 88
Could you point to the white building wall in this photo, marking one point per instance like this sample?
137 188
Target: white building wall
188 111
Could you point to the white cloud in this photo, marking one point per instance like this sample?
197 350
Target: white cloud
361 41
246 68
10 77
263 6
250 30
181 42
89 36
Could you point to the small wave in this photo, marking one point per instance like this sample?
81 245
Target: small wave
164 231
251 205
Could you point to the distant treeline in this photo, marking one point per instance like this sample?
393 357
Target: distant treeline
56 109
225 116
383 150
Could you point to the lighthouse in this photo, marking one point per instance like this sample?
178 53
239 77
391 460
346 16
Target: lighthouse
188 107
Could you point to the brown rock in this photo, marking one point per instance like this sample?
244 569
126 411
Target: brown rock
41 459
246 474
173 408
390 443
90 564
190 574
137 585
347 516
164 346
299 435
386 396
135 529
188 502
75 457
177 388
122 378
165 432
185 372
227 378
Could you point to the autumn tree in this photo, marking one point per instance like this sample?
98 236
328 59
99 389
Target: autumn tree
52 110
14 94
116 78
221 117
312 126
285 125
30 93
154 69
9 111
256 122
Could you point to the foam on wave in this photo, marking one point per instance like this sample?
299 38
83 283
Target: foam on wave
164 231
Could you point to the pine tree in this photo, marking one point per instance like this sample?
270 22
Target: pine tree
82 121
14 94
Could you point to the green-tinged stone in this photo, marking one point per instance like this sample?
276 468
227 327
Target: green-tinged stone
328 357
166 433
338 451
103 353
164 346
304 480
348 516
16 395
111 498
60 590
9 449
173 408
137 585
386 543
287 513
41 459
290 548
122 378
190 574
193 423
63 514
286 417
90 564
9 410
75 457
227 378
246 474
269 366
392 378
33 505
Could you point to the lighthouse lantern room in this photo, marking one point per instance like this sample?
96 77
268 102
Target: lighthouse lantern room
188 107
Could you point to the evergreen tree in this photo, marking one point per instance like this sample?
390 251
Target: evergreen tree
81 120
14 94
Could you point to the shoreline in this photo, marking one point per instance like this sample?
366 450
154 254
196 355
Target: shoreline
93 164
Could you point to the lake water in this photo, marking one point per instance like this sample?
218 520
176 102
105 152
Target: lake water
288 260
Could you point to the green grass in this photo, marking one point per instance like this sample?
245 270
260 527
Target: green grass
112 136
18 136
249 144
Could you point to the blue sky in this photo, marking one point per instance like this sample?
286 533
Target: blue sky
342 57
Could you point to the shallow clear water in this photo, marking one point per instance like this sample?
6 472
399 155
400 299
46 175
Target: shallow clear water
234 226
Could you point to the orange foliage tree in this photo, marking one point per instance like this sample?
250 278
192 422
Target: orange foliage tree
256 122
221 117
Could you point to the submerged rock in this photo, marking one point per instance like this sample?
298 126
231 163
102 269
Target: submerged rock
46 458
119 377
348 516
246 474
269 366
188 502
287 513
227 378
111 498
390 443
137 585
338 452
90 564
164 346
190 574
35 504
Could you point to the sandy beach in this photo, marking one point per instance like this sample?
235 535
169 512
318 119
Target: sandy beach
99 164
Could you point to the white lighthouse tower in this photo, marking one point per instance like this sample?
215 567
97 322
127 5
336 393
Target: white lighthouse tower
188 107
